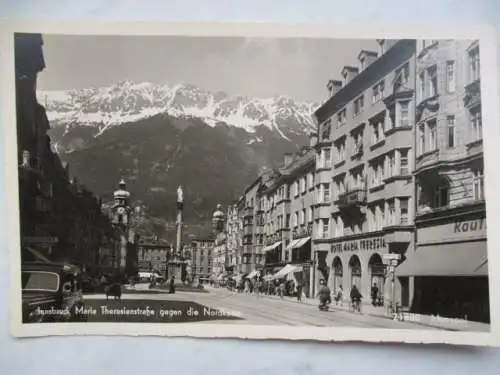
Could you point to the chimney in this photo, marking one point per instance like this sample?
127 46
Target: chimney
287 159
334 86
366 58
349 72
313 139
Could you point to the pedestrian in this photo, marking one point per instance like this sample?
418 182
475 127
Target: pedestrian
171 289
374 294
282 289
339 295
258 286
299 291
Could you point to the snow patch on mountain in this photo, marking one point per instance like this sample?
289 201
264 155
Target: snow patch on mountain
126 102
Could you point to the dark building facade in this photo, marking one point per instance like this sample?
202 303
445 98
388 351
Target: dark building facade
60 220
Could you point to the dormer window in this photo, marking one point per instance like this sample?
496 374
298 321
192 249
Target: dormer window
362 63
381 46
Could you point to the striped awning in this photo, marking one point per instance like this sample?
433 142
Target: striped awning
292 244
272 247
301 242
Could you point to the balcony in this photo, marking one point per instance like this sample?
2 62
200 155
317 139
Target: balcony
302 231
472 95
353 198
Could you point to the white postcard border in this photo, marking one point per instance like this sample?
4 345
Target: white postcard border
491 122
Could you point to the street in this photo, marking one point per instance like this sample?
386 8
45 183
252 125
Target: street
225 307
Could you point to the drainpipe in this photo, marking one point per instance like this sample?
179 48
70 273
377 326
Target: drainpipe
411 279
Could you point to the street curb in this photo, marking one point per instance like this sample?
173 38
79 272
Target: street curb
312 302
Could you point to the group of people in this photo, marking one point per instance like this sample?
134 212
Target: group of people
325 295
259 286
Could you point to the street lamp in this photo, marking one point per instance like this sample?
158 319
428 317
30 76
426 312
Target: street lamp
391 261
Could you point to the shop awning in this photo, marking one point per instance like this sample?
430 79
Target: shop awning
252 274
272 247
292 244
458 259
301 242
288 269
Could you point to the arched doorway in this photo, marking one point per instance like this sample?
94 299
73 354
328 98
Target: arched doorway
338 273
376 268
355 271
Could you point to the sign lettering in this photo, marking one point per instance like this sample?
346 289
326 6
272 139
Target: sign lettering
469 226
355 245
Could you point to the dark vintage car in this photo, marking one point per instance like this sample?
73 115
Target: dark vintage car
51 293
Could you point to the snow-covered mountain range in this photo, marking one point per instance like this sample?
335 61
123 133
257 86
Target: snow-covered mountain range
126 102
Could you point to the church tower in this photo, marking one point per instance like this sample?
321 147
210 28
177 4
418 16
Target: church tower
121 221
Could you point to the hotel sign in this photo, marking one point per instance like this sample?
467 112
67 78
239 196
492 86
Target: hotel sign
367 244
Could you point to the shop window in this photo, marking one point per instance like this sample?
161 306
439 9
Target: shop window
441 194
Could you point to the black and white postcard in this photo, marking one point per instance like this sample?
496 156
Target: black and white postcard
254 181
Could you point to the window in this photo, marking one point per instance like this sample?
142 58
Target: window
327 158
476 124
295 188
362 62
310 180
326 193
295 219
378 91
378 131
404 114
450 76
421 139
432 126
421 84
451 131
403 168
325 130
325 228
359 104
433 81
441 194
391 213
474 64
301 217
303 185
339 226
309 215
402 76
403 209
340 151
478 184
377 173
341 117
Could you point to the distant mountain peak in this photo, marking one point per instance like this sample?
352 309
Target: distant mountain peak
127 101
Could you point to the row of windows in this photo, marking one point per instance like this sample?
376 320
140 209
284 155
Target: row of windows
428 132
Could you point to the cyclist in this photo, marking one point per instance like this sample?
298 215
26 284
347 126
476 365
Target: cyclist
324 294
356 298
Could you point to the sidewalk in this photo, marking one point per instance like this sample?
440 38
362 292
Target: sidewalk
448 324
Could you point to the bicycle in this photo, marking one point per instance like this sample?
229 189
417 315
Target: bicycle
355 306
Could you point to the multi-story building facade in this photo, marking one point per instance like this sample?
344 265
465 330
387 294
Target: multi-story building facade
448 271
234 227
251 212
201 251
60 220
153 254
290 199
363 172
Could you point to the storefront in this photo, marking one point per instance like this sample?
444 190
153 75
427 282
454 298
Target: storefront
448 271
358 261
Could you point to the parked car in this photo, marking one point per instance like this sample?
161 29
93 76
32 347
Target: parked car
51 293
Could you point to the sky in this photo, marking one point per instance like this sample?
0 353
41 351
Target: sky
256 67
